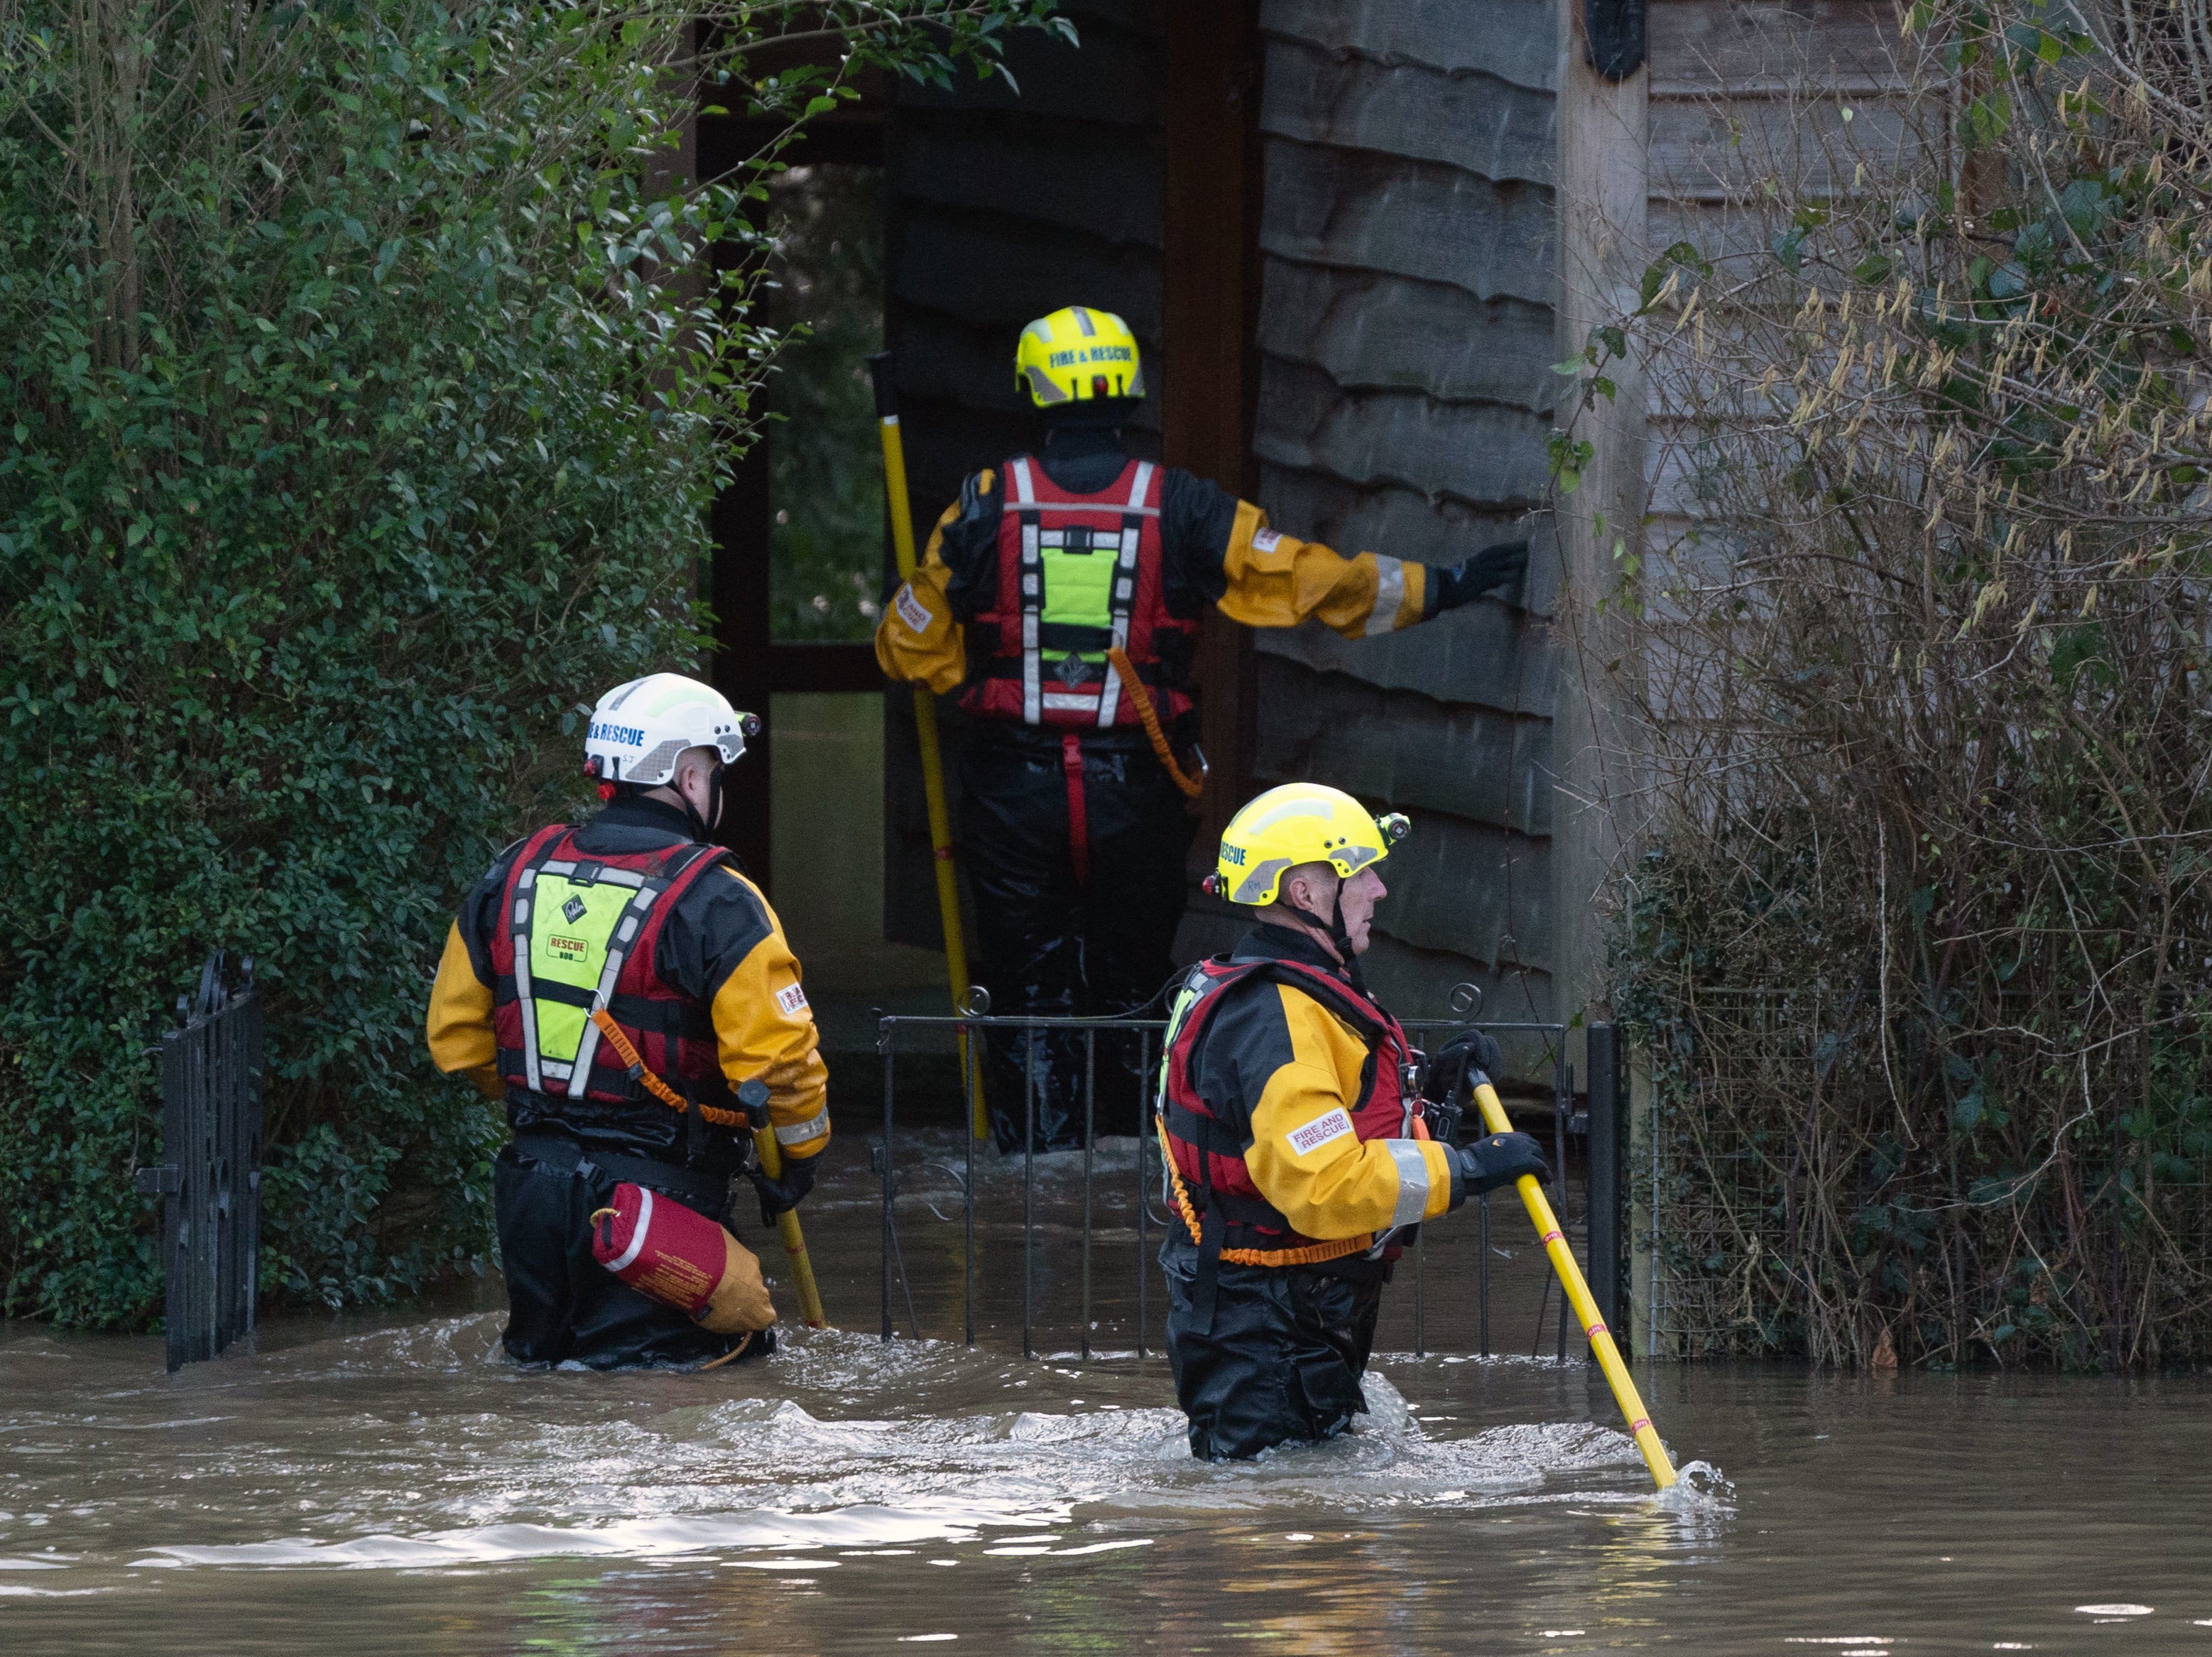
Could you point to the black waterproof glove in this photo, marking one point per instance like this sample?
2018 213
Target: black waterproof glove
1487 571
781 1195
1496 1160
1470 1049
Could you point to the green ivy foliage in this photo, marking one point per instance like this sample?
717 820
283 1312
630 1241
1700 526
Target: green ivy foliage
357 421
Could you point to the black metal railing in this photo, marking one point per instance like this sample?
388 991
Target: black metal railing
1603 1187
209 1178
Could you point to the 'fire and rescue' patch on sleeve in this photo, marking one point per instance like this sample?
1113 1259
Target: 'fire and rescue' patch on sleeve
792 999
1324 1130
911 610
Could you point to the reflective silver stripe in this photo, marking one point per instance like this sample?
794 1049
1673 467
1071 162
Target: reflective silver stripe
580 1079
1032 665
1069 702
1389 595
637 1235
1068 508
1032 590
606 877
798 1133
1412 1181
1125 593
1049 507
519 933
1110 693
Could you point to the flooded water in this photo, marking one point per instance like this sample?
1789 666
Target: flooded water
349 1489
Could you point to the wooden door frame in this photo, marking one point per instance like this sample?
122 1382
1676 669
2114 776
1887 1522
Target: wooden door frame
748 665
1210 390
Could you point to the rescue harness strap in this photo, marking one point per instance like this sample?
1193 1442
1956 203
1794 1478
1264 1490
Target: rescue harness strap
1141 700
1123 590
561 1155
1078 819
646 889
652 1083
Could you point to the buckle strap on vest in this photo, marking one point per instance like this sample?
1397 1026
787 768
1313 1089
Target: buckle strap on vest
1208 1214
1032 595
519 940
1120 605
649 891
1215 1218
1078 819
1208 1286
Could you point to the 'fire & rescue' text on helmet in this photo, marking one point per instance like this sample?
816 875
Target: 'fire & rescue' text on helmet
1075 354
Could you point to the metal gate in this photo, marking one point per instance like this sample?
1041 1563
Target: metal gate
1603 1123
209 1178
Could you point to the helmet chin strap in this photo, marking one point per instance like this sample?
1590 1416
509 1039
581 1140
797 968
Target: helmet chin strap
1337 937
705 826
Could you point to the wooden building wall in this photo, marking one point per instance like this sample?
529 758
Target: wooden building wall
1405 338
1740 88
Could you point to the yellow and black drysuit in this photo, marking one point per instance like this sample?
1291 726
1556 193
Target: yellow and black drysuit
629 911
1071 835
1298 1161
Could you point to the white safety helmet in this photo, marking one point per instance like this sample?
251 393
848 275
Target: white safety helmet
639 729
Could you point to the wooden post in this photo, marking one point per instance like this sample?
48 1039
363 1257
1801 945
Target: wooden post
1210 377
1603 179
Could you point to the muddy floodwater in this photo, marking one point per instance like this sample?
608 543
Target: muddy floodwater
395 1487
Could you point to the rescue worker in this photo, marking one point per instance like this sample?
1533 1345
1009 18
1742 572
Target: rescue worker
637 912
1298 1152
1073 827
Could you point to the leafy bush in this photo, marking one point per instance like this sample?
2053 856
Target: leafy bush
357 417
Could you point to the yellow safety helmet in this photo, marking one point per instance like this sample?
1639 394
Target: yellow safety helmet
1298 823
1078 353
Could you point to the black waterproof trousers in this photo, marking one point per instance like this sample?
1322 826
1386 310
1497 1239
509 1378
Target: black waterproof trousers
562 1305
1052 945
1280 1361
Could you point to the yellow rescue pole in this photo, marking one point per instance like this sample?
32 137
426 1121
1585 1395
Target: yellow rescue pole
1571 1279
925 723
786 1225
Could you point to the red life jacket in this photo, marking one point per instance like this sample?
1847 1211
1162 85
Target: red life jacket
1078 573
579 931
1206 1149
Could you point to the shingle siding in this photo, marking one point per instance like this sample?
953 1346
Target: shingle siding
1406 400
